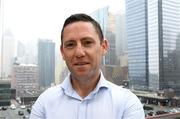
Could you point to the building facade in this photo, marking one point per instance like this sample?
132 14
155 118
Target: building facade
137 38
164 31
5 92
153 44
46 63
25 79
120 31
7 54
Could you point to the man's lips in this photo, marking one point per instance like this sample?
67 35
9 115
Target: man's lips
81 63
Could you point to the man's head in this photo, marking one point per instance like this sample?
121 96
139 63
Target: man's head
83 46
82 17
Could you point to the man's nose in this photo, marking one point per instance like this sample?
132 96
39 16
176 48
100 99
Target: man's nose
79 51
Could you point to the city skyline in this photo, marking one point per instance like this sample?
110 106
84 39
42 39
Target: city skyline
143 54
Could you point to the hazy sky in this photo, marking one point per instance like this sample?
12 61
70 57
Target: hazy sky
33 19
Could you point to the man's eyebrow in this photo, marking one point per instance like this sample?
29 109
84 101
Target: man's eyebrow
69 41
87 38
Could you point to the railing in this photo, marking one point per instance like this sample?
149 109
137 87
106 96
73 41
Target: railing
165 116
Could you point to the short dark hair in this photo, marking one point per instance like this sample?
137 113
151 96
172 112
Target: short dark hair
82 17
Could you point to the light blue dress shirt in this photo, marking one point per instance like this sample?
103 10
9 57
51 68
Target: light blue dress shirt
106 101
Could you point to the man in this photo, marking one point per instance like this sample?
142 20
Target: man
85 93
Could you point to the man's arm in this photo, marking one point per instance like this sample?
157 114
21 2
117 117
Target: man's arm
38 111
134 108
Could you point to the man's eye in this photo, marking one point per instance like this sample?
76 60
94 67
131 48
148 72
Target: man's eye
69 45
88 43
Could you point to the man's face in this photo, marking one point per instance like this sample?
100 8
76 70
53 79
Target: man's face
82 50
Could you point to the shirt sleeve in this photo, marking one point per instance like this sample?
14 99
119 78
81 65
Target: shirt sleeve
133 108
38 111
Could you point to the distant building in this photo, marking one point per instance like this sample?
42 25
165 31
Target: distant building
5 92
111 57
120 31
25 79
163 41
21 49
46 63
31 56
7 54
137 37
21 52
153 41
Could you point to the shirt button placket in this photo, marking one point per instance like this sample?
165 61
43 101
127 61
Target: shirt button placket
82 110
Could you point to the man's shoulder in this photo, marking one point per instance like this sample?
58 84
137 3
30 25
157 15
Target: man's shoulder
52 91
120 91
123 97
118 88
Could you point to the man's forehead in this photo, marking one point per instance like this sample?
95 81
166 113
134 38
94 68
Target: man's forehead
80 29
79 24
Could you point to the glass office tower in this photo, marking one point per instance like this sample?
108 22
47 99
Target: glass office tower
164 60
46 63
153 44
137 38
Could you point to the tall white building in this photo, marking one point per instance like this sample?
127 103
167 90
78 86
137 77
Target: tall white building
120 31
31 52
21 50
7 54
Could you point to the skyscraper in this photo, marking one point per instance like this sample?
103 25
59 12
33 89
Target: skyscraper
137 38
8 53
164 60
120 31
153 39
46 63
21 51
110 57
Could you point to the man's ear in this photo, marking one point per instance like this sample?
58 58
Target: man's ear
62 51
105 46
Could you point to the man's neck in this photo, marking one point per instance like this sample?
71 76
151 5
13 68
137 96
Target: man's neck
83 88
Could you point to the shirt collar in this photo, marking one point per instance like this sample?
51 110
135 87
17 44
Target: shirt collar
68 89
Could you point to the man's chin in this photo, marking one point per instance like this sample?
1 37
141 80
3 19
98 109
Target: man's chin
80 75
85 75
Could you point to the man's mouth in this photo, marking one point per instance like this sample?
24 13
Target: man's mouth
81 63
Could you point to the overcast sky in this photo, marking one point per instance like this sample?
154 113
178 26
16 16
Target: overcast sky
33 19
